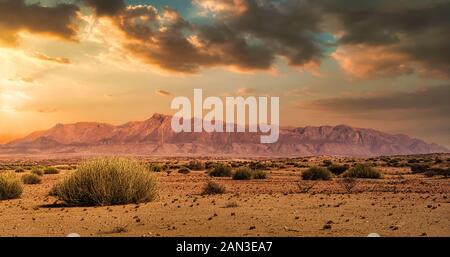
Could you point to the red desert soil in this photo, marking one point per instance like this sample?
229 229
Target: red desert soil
399 204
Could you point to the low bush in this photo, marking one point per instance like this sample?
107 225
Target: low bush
31 179
259 174
221 170
10 186
19 170
327 163
37 171
184 170
363 171
437 172
212 188
154 167
419 168
51 170
338 169
107 181
257 166
316 173
196 165
210 165
242 173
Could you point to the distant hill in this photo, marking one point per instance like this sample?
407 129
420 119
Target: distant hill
155 137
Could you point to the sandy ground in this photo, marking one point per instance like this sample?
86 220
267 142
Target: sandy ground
400 204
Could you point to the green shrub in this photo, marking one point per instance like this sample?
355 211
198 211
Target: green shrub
210 165
51 170
337 169
31 179
363 171
184 170
413 160
221 170
154 167
212 188
316 173
235 164
327 163
437 171
37 171
10 186
242 173
19 170
196 165
430 173
259 174
419 168
257 166
108 181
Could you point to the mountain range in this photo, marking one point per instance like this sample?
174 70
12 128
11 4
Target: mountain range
154 137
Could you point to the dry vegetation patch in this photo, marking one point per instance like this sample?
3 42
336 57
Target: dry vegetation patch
108 181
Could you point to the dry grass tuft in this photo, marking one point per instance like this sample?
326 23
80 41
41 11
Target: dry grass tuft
108 181
31 179
10 186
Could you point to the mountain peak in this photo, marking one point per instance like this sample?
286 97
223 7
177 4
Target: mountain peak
154 137
159 116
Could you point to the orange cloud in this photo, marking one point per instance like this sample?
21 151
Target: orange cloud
44 57
246 91
372 61
366 62
17 16
162 92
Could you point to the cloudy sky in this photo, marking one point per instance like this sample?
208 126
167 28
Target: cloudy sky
371 63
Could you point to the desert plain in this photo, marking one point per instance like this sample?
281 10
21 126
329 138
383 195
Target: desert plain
401 203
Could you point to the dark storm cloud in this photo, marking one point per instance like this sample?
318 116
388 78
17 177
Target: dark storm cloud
433 99
16 16
106 7
376 38
257 31
416 30
159 38
249 35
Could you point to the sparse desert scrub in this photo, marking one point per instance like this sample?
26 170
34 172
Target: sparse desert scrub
107 181
327 163
210 165
31 179
235 164
37 171
363 171
437 172
196 165
51 170
337 169
316 173
154 167
259 174
221 170
184 170
10 186
212 188
19 170
257 165
419 168
242 173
